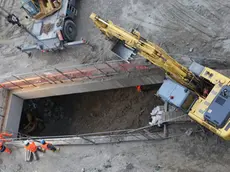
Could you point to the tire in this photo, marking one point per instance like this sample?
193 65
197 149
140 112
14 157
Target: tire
69 30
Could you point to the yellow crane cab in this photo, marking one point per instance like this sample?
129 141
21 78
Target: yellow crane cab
212 110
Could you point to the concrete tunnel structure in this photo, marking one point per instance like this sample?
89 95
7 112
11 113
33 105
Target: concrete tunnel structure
72 80
122 75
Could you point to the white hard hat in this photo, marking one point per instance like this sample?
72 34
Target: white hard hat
26 142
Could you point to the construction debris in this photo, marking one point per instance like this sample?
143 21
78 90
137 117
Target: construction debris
156 117
189 132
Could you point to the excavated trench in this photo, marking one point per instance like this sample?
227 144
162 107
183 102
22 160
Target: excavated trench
88 112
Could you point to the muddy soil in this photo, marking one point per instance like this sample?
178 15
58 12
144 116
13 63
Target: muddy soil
90 112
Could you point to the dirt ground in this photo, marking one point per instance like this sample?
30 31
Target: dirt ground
187 29
182 154
91 112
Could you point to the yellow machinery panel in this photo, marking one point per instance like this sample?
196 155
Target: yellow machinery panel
203 106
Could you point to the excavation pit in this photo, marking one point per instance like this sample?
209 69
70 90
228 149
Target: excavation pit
90 112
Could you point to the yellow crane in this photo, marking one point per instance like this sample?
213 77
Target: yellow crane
203 93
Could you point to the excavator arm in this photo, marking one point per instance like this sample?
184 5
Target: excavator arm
151 52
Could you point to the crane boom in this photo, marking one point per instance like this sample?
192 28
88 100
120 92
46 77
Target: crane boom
150 51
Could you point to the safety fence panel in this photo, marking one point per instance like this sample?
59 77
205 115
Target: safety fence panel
129 135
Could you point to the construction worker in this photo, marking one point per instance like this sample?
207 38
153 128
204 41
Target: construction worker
146 88
49 146
138 88
3 148
31 147
3 135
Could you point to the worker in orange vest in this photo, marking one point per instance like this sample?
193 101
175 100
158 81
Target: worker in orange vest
49 146
3 135
33 148
138 88
146 88
3 148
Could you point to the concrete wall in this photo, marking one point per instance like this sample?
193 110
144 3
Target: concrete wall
16 98
133 79
4 95
13 114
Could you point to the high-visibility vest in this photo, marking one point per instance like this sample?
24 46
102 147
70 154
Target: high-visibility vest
46 146
31 147
3 135
2 148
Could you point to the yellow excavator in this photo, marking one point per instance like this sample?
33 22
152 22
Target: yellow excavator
39 9
202 93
